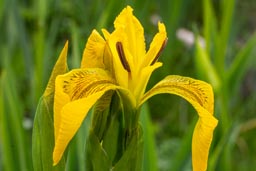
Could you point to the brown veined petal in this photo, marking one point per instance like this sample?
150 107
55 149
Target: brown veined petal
94 51
156 45
134 31
75 93
200 95
59 68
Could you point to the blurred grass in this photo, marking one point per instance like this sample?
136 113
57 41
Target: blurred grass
33 32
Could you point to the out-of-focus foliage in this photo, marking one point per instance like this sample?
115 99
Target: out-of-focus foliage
33 33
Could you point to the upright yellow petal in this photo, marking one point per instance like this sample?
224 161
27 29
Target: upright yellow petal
94 51
107 57
59 68
140 83
75 93
156 45
200 95
134 31
121 74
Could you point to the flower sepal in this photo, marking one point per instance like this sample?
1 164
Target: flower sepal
113 140
133 155
97 159
100 119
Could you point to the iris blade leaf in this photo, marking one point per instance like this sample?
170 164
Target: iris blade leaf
43 136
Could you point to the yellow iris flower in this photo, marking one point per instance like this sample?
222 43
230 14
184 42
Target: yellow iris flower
120 62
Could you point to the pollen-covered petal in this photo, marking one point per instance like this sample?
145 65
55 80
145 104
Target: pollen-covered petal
59 68
94 51
156 46
75 93
134 31
200 95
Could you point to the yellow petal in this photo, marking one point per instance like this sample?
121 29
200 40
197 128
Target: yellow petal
121 74
156 45
59 68
94 51
107 57
200 95
60 100
140 83
134 31
106 34
72 116
75 93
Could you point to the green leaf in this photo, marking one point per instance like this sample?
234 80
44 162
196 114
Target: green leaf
119 146
112 141
111 129
96 157
225 145
6 146
43 137
241 63
132 157
210 27
104 144
204 64
227 9
150 156
184 148
11 130
43 129
100 115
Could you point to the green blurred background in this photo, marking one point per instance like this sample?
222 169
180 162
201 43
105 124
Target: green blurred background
32 33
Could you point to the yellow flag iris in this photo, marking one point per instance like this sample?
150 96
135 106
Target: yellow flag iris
118 61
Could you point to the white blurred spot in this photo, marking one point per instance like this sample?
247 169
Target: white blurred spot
154 19
27 123
188 37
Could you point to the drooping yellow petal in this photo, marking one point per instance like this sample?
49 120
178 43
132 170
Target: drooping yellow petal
134 32
59 68
156 46
94 51
200 95
75 93
72 116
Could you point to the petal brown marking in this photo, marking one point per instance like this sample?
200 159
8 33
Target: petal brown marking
120 51
160 51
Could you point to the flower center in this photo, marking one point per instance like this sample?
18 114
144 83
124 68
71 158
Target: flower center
121 54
